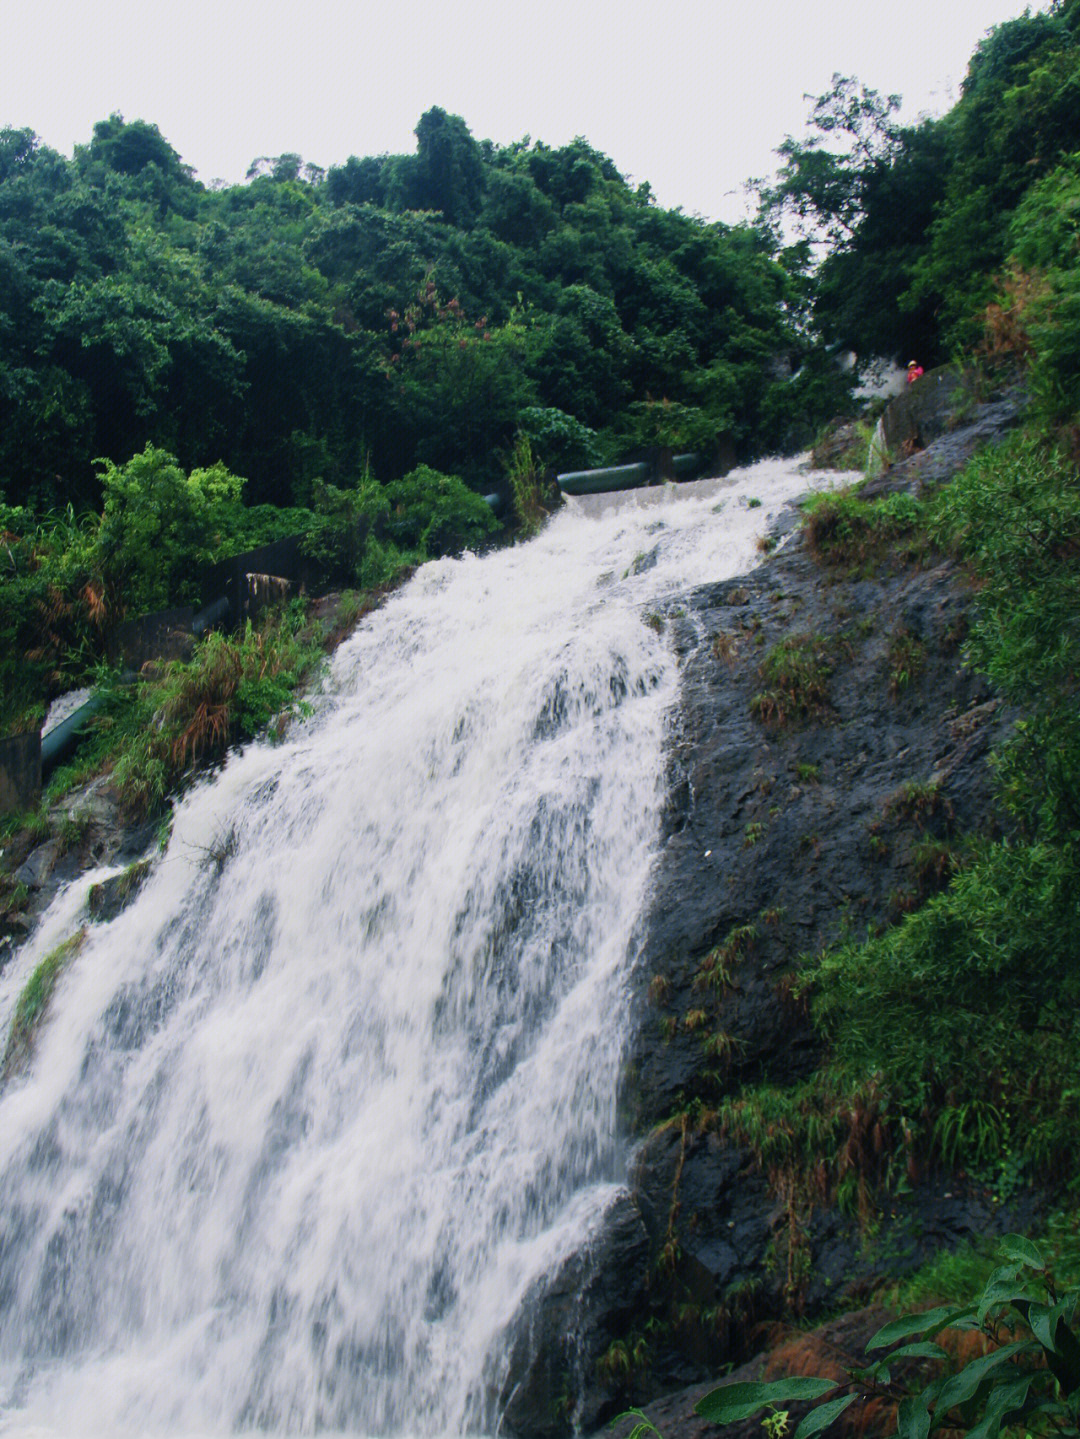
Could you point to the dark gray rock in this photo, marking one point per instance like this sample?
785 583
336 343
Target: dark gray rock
922 435
778 840
556 1379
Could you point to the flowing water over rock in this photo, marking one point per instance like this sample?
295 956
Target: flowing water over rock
308 1120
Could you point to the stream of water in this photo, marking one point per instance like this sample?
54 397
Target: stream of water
308 1120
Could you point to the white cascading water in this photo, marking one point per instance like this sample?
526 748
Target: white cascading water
307 1121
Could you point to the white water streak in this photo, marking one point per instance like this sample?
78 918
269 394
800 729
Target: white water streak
310 1117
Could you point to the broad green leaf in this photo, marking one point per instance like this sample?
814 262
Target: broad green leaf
1004 1400
732 1402
927 1350
962 1386
1016 1247
1004 1287
1043 1320
823 1415
933 1319
913 1418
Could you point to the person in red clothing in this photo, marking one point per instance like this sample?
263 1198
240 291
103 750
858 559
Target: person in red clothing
914 372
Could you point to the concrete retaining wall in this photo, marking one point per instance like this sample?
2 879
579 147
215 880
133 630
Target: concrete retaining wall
166 635
20 771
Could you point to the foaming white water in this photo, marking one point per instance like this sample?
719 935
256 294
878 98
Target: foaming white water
310 1118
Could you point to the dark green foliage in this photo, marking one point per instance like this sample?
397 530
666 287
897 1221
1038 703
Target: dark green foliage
252 325
559 441
970 1003
1014 515
918 222
1025 1374
435 514
372 533
50 612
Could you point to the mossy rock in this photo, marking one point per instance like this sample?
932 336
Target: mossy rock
33 1004
106 900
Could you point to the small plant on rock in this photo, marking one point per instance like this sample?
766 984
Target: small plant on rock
796 675
906 660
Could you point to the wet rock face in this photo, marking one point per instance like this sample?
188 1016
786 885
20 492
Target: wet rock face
558 1380
783 833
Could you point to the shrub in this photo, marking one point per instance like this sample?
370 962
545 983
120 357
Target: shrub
50 612
230 690
1014 516
564 442
159 525
436 514
796 675
970 1004
1024 1375
844 530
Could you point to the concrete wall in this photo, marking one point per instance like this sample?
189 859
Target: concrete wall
20 771
281 559
166 635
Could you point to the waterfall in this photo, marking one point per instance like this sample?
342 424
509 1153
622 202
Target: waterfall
308 1120
877 457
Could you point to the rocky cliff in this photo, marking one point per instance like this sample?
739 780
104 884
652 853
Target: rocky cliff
831 746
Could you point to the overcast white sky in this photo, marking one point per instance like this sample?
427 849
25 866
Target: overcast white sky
691 95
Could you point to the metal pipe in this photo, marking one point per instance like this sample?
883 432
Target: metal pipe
206 619
615 477
61 740
683 465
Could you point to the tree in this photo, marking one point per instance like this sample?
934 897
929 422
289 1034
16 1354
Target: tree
822 191
449 174
159 525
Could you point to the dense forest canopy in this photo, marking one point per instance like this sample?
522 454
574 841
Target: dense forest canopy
281 354
397 310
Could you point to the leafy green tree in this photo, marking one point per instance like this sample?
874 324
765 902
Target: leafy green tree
457 385
449 174
159 525
823 190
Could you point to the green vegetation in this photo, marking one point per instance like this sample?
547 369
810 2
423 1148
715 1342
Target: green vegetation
905 660
395 311
358 356
34 1000
952 233
159 730
526 487
796 674
1022 1372
952 1036
850 533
